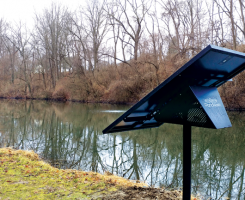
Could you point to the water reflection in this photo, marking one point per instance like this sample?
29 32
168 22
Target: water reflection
70 136
113 111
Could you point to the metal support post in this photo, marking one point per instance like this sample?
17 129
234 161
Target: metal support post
186 162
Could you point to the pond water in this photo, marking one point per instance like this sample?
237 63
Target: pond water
69 135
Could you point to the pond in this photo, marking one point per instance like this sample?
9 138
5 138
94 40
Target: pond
69 135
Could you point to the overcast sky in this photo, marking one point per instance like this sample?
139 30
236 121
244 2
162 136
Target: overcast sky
16 10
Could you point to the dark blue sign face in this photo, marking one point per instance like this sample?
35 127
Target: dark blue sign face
189 96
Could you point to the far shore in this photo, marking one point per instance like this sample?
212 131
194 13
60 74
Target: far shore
94 102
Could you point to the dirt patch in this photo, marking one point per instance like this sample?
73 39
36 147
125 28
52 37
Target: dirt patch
144 193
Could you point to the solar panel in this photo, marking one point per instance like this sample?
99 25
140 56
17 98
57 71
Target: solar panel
189 96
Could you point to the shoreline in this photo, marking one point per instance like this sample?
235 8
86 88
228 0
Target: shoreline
69 100
94 102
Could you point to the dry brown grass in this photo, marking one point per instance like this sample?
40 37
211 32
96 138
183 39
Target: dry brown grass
123 83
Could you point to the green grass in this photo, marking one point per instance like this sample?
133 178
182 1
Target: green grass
24 176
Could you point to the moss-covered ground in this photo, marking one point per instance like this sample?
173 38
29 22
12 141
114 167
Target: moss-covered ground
23 175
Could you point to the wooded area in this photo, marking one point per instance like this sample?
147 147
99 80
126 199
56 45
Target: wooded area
115 51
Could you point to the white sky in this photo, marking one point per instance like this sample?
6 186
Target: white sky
15 10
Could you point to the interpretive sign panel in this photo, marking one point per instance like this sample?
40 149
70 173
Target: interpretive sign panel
189 96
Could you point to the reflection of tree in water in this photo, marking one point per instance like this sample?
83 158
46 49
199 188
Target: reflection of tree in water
218 162
69 136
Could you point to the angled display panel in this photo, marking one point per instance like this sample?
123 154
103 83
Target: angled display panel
187 96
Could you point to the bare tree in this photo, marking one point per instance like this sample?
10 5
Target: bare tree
242 7
171 14
89 28
21 40
95 28
51 27
227 7
7 51
88 31
129 16
187 18
155 38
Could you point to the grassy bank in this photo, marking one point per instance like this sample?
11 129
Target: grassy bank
23 175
